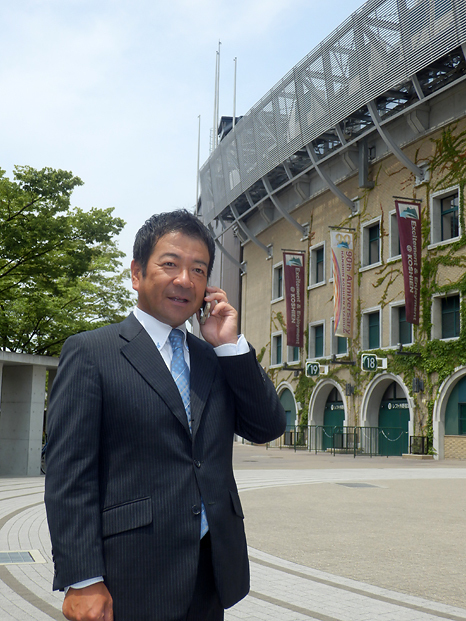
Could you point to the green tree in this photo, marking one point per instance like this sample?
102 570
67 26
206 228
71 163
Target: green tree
60 268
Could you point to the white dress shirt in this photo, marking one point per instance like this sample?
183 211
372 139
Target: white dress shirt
159 333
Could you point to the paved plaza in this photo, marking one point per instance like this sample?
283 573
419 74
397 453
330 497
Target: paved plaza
331 538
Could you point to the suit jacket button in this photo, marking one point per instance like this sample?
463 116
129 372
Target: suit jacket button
197 463
196 509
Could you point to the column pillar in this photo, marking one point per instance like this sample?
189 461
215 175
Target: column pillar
21 419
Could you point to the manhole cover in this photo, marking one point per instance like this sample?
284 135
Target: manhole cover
17 557
357 485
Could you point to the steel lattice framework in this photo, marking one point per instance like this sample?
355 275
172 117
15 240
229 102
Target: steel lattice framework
374 63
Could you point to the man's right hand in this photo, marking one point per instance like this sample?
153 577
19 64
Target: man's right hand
92 603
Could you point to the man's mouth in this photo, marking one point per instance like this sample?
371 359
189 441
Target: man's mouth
178 300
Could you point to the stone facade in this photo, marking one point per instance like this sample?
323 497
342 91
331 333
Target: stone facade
455 447
378 289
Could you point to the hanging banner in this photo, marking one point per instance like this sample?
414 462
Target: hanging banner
343 299
293 267
408 215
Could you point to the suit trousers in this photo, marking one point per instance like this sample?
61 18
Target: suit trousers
205 605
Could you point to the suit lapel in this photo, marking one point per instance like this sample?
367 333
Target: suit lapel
138 348
203 362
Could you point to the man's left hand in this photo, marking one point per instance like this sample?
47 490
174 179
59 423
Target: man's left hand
221 326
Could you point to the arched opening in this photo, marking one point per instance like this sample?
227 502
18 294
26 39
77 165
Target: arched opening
387 409
320 397
455 422
455 412
327 414
451 395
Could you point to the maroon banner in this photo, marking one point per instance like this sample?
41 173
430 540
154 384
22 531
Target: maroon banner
408 214
293 267
343 278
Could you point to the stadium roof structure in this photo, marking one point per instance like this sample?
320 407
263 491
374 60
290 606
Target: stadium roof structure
366 90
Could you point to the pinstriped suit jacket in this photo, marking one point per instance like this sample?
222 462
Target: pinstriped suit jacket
125 477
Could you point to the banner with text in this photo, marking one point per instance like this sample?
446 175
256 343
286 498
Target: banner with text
408 215
293 266
343 266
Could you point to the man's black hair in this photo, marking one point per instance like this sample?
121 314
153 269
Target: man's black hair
159 225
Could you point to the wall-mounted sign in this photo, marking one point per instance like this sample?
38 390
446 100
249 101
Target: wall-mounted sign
408 214
293 267
343 299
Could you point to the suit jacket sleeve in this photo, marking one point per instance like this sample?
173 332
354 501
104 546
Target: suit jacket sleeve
260 416
72 481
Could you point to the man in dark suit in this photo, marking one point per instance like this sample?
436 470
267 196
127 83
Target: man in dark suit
143 510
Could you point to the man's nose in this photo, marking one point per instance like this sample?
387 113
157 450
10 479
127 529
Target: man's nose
183 278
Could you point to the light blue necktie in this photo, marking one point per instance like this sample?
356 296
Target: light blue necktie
180 372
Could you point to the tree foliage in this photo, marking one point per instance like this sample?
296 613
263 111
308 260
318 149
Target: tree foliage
60 268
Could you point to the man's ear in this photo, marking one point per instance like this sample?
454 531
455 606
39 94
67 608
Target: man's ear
136 274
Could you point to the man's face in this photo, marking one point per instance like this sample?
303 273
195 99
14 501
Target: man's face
173 288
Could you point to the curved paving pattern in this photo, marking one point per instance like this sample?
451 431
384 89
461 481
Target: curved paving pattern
280 590
259 479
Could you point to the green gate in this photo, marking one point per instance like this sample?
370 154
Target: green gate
287 401
393 425
334 418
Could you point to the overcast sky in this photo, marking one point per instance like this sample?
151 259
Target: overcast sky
112 89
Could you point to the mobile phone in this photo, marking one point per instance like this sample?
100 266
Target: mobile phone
204 312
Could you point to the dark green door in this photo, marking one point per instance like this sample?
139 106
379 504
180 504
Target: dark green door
393 427
455 413
462 418
334 418
287 401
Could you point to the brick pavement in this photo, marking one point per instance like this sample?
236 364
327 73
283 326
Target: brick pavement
286 583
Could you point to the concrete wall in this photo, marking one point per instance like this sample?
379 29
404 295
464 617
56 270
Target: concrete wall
23 381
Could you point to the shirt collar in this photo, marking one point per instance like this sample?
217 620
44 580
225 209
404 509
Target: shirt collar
157 330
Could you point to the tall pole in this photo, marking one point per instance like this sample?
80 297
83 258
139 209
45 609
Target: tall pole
234 94
198 163
212 145
217 96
